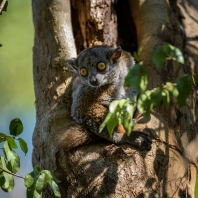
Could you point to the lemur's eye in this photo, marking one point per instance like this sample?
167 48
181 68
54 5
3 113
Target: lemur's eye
101 66
83 72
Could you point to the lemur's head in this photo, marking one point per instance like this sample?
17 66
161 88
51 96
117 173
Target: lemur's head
97 66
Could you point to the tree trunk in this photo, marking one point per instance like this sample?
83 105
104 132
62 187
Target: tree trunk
105 169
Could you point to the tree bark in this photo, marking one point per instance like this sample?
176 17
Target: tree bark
105 169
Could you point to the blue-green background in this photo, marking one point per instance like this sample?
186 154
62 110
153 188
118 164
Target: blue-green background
16 81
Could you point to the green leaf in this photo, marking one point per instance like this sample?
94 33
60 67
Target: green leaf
123 102
30 192
32 181
140 49
36 183
166 98
9 181
130 109
137 78
113 106
156 97
136 56
144 102
127 122
29 180
42 182
11 142
131 126
2 137
112 123
176 53
2 179
51 176
160 54
184 86
55 189
14 163
23 145
37 194
1 163
16 127
166 50
7 151
172 89
36 171
12 157
102 126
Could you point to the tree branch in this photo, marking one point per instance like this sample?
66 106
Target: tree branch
2 5
11 173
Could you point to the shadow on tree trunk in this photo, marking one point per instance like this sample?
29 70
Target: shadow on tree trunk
104 169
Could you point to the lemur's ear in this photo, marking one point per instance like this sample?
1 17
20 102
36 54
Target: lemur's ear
72 63
115 54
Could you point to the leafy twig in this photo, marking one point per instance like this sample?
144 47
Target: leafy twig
11 173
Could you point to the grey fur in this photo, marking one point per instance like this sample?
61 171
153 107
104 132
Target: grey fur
93 93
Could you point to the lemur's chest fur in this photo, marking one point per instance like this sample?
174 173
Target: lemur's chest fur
101 71
89 102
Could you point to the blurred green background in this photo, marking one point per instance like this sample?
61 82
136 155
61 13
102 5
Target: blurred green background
16 80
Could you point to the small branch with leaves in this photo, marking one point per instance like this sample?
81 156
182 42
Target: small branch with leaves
121 111
35 181
3 169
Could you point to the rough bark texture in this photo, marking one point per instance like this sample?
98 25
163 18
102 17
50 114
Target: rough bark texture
97 21
107 170
190 24
53 42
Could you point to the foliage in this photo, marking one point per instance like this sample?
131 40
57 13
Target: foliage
35 181
10 162
121 111
166 51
